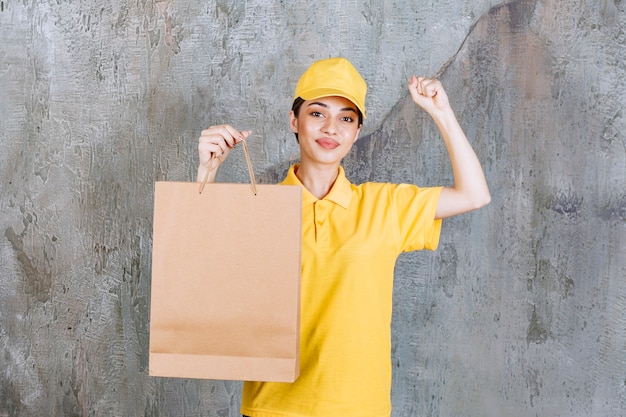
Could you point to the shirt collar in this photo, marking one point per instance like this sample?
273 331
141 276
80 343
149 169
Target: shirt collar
340 193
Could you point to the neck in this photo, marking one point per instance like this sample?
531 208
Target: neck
317 179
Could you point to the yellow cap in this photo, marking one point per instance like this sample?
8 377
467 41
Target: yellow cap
332 77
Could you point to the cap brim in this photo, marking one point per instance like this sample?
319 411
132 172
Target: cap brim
327 92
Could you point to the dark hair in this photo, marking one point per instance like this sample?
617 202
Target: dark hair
297 104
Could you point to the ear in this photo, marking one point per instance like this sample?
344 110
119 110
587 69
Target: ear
293 122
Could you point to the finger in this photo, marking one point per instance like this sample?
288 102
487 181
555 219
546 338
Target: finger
419 86
222 135
432 89
212 144
217 139
245 134
414 87
428 87
229 134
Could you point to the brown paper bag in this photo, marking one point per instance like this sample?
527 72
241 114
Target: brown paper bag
225 300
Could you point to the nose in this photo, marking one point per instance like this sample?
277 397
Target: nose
330 126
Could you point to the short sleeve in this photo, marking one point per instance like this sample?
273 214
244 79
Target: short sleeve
415 210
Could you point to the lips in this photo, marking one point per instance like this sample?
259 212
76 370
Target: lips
327 143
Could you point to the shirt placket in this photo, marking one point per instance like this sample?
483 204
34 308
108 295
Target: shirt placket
322 232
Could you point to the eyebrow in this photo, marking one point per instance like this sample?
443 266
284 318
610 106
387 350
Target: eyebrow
319 103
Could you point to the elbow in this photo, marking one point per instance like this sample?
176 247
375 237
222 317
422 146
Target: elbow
452 203
477 200
482 200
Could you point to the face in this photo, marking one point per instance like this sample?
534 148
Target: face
326 127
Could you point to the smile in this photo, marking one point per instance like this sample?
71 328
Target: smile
327 143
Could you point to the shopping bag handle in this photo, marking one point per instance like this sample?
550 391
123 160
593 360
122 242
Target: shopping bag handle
248 162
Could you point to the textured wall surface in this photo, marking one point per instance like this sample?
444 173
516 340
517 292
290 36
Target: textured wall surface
520 312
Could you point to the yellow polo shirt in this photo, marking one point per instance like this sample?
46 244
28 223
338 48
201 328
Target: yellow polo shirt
350 242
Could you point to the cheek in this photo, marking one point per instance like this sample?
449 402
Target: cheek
354 134
308 126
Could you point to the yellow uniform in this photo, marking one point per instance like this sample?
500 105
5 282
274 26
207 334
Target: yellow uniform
351 240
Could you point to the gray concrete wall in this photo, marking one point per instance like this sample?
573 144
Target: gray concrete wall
521 311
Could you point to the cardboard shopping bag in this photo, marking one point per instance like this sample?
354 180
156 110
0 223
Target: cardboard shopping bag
225 299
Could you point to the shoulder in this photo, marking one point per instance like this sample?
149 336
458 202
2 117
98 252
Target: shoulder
396 195
389 188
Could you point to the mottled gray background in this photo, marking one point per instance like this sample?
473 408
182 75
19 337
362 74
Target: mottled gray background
520 312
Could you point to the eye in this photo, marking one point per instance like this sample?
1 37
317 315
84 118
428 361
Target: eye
347 119
316 114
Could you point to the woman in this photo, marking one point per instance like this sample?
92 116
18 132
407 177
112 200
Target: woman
351 237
